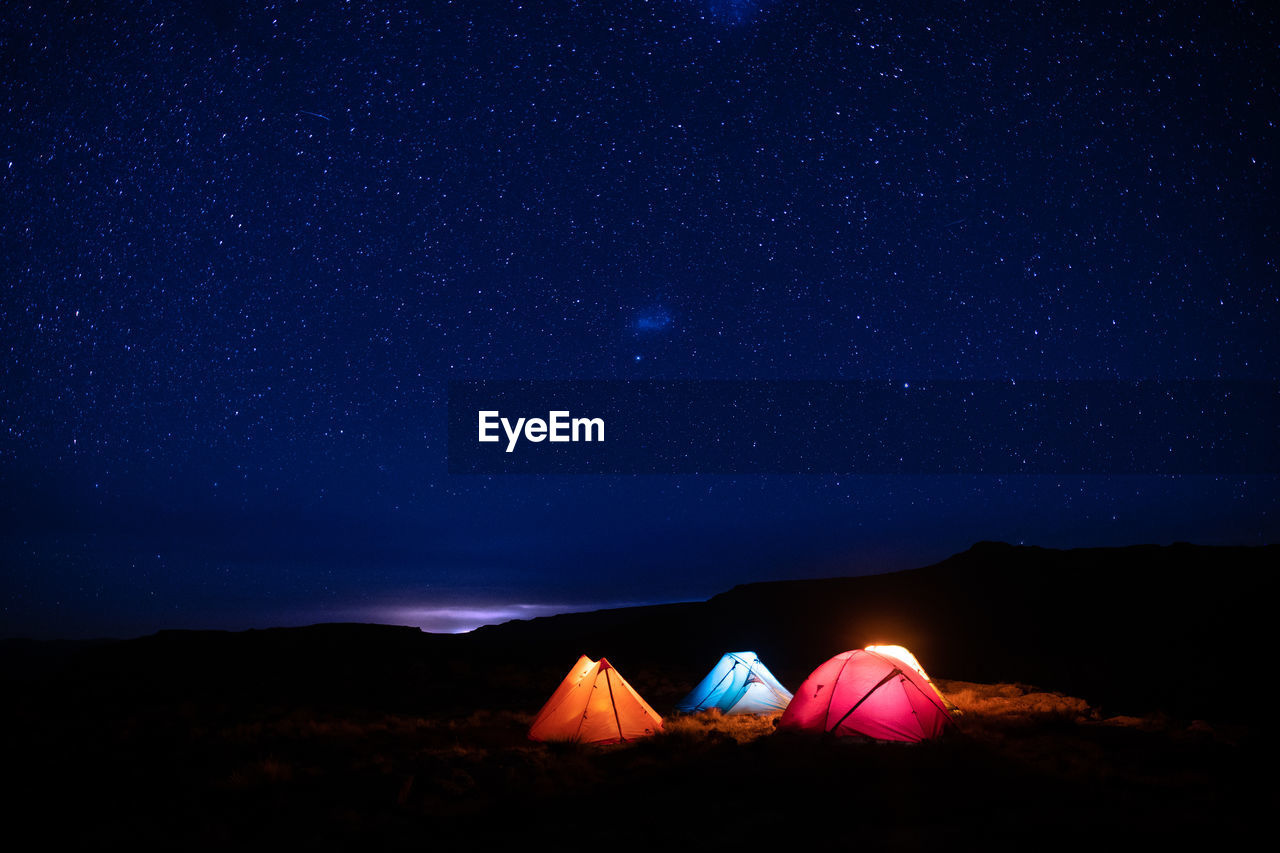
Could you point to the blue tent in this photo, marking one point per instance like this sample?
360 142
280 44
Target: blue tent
739 684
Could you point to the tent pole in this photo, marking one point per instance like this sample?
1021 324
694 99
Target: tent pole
617 722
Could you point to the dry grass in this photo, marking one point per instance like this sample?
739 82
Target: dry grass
315 776
1012 702
266 771
741 728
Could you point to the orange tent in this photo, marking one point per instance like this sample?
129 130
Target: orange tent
594 704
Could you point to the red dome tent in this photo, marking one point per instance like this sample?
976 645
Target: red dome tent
866 693
904 656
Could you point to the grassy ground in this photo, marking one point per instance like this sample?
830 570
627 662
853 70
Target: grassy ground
1022 764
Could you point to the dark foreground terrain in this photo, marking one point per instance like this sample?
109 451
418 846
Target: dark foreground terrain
1145 725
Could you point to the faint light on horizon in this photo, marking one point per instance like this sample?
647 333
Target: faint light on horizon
460 619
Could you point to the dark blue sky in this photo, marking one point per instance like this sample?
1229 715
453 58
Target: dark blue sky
246 248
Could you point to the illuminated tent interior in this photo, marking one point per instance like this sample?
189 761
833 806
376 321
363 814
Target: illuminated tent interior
867 693
738 684
594 704
901 654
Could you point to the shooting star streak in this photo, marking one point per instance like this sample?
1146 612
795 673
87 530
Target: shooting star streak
317 115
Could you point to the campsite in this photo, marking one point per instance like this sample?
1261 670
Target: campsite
339 736
669 425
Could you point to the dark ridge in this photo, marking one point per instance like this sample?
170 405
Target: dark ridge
1133 630
1136 629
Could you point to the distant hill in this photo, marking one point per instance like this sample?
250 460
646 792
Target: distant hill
1138 628
1143 628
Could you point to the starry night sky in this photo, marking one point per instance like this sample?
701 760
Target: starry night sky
245 249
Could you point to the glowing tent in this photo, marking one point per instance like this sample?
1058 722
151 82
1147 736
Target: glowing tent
739 684
867 693
594 704
901 654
